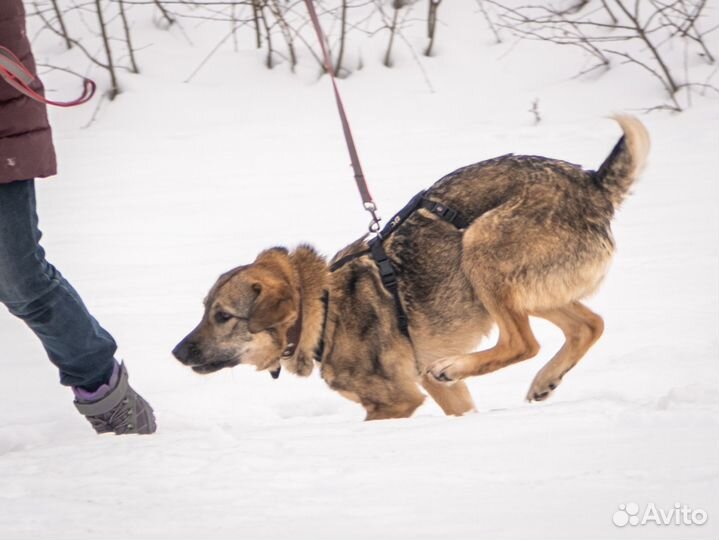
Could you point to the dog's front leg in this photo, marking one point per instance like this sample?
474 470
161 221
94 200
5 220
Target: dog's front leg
403 408
455 400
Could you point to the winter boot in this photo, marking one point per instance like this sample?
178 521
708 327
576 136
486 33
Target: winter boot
116 407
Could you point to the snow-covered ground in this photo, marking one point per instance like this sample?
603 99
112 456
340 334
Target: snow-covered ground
175 183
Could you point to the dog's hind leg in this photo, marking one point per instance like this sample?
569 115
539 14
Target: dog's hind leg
582 328
454 400
498 251
516 343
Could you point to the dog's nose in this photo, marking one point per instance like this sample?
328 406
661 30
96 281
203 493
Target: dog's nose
187 352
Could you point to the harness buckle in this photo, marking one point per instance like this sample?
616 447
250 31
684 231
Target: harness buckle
444 212
386 271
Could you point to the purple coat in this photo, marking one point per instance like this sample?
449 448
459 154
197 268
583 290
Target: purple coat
26 149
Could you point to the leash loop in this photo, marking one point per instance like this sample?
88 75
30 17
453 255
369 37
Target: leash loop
367 200
17 75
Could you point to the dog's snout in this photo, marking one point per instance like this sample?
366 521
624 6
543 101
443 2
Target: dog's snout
187 352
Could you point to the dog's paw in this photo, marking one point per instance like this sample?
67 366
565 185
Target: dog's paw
542 388
447 370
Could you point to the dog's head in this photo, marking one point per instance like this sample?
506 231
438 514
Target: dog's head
248 313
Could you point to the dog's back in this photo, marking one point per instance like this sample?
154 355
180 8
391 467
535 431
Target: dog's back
549 187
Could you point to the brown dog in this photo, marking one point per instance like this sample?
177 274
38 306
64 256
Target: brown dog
536 240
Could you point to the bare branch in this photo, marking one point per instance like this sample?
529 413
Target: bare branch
128 38
114 87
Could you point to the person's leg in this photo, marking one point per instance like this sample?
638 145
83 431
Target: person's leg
33 290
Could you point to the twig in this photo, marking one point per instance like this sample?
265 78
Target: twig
74 41
165 14
535 111
418 62
487 18
61 22
212 53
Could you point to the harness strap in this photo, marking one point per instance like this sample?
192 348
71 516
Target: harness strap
320 349
445 212
401 216
387 271
388 274
442 211
347 258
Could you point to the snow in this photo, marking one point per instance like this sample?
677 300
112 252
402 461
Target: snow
174 183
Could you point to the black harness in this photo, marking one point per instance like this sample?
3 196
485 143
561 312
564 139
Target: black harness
387 271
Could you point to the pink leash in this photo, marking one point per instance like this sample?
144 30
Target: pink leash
19 77
367 200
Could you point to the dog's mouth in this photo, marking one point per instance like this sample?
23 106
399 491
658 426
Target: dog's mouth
211 367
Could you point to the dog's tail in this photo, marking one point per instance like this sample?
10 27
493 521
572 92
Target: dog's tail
627 160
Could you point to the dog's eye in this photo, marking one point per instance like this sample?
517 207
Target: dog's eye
222 317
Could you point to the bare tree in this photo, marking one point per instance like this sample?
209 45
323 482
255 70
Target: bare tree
61 22
431 24
279 16
107 63
280 27
128 37
268 36
256 6
343 37
653 25
114 87
397 5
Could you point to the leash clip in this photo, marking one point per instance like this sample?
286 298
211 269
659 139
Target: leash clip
374 225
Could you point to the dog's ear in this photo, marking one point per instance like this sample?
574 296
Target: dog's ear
273 304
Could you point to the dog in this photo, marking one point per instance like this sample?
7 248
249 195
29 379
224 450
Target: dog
535 241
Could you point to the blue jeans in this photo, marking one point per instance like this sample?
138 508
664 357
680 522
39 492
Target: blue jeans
33 290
